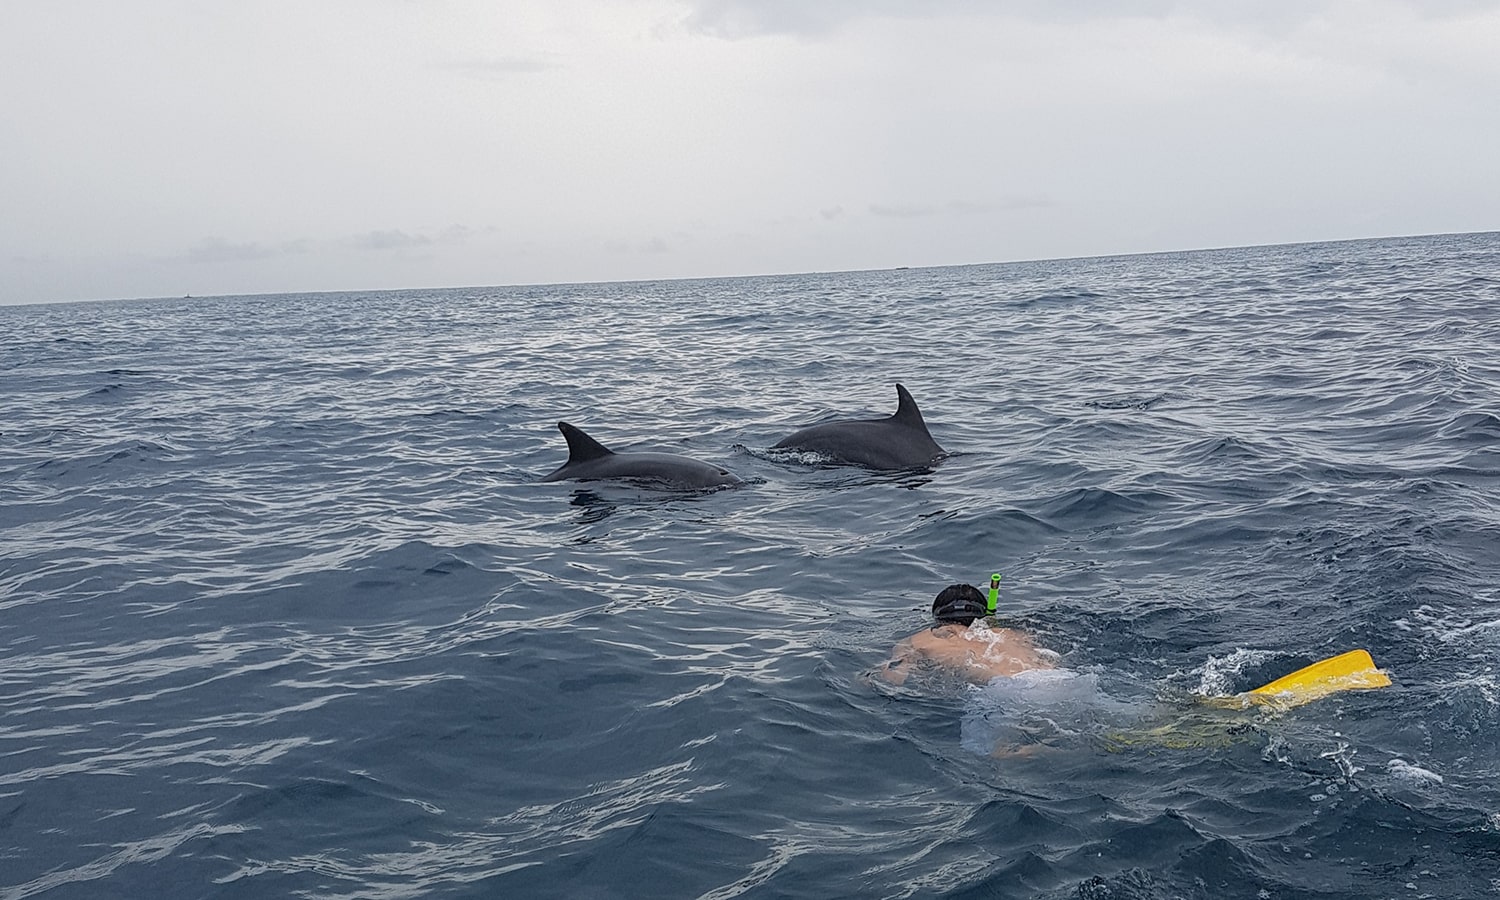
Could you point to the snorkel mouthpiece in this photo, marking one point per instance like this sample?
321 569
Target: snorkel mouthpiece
994 597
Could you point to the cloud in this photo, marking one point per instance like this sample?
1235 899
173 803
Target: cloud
734 19
457 234
737 19
499 68
392 239
398 239
650 246
957 207
219 250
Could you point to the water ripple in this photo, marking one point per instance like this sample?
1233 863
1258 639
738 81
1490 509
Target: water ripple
285 611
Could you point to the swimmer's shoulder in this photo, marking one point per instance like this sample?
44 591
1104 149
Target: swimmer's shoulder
1023 646
937 636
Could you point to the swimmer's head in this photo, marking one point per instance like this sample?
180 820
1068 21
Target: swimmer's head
958 604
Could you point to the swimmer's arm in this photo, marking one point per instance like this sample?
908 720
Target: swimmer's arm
898 667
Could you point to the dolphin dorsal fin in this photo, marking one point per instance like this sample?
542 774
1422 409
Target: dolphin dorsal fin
581 447
906 410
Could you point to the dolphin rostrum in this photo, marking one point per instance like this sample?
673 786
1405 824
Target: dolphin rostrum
900 441
589 460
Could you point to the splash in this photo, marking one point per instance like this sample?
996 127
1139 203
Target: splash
1040 706
1221 675
1401 770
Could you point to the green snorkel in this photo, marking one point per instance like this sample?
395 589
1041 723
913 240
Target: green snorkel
989 606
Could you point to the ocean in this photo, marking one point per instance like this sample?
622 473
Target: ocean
286 610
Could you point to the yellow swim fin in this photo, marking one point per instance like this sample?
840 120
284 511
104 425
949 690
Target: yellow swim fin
1350 671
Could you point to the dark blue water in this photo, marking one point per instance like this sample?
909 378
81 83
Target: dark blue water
284 611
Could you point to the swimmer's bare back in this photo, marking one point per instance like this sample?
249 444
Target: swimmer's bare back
977 652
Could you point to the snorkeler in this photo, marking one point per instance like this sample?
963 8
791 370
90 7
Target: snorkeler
1026 689
965 643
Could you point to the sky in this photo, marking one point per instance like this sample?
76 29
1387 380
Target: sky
171 147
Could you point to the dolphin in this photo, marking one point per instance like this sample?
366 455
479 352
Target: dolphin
589 460
898 442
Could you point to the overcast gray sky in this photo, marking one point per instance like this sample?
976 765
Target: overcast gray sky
169 147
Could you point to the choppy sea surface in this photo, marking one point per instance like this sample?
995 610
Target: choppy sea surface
285 610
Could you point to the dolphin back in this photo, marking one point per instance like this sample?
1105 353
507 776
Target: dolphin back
589 460
899 441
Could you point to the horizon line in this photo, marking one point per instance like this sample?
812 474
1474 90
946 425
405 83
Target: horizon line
535 284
